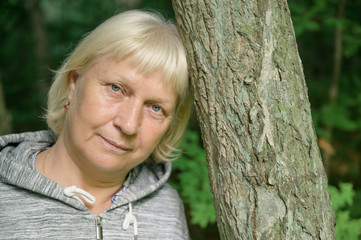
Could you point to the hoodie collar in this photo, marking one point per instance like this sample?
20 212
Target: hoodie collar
16 168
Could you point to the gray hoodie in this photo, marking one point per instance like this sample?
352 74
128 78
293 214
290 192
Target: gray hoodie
34 207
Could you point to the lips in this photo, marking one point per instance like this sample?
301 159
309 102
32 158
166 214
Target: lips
115 145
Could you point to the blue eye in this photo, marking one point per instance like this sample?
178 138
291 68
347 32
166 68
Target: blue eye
156 108
115 88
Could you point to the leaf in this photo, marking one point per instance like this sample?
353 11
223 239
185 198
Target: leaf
343 197
337 116
346 228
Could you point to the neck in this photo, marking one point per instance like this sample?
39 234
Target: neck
57 164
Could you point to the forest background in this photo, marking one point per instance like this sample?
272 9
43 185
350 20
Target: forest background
36 36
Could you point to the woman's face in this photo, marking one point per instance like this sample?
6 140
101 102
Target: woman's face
117 115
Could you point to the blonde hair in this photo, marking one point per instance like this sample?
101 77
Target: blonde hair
153 44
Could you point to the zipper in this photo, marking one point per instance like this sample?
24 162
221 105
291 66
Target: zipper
99 227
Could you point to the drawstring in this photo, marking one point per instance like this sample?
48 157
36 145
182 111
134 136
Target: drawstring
130 219
71 191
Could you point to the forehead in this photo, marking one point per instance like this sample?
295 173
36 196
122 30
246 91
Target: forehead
126 72
173 70
125 66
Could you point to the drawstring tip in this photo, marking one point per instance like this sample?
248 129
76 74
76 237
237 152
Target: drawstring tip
131 219
72 190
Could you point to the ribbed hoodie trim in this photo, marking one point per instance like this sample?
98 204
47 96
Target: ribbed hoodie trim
16 168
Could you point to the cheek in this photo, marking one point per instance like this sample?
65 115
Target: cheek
87 111
157 133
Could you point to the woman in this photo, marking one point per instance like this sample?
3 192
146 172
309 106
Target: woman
117 108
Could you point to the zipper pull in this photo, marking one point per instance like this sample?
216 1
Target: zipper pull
99 227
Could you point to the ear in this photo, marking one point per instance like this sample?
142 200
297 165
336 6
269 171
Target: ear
73 77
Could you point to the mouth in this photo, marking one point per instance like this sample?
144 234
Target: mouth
116 146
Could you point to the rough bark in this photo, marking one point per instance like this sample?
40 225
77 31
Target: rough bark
265 168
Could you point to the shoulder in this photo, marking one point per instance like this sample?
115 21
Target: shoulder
163 210
27 139
168 191
166 198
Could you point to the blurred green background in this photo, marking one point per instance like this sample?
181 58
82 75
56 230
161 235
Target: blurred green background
36 35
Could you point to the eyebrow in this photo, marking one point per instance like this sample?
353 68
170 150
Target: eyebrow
124 81
161 100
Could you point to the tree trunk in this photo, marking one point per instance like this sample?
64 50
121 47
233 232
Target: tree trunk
266 173
41 45
5 117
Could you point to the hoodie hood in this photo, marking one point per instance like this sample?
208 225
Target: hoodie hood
17 168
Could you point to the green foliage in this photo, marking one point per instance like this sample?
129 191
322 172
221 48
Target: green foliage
352 39
347 228
66 21
304 18
339 115
191 180
337 120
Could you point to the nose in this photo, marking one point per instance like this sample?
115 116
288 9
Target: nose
129 117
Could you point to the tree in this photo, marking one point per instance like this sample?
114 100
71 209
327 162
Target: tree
5 117
265 169
40 40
